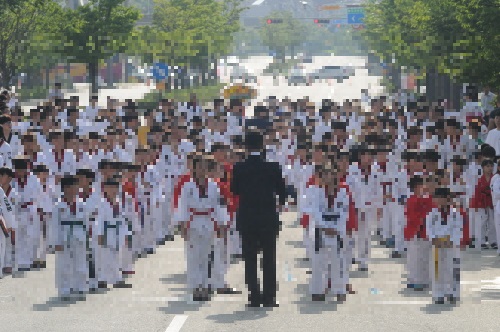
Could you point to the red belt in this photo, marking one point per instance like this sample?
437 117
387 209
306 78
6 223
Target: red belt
195 212
25 205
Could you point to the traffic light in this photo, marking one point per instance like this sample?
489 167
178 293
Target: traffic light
274 20
321 21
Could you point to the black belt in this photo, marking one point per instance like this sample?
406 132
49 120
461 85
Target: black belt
72 223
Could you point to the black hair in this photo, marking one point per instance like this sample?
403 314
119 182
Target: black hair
486 162
7 171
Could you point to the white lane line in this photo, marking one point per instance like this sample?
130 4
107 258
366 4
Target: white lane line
176 323
401 302
258 2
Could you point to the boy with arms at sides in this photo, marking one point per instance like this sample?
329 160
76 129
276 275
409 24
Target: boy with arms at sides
200 213
112 235
6 223
445 229
329 211
6 176
70 242
418 205
481 203
25 198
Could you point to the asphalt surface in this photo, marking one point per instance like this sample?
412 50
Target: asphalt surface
158 300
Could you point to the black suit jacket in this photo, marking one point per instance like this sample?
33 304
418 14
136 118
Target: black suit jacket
257 183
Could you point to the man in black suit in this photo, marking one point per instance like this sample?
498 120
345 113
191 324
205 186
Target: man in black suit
257 183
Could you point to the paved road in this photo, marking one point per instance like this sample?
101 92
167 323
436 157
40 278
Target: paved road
158 299
348 89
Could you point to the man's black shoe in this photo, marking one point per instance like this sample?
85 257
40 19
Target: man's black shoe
122 284
273 304
253 305
102 285
484 246
494 246
228 290
169 238
318 297
439 300
396 254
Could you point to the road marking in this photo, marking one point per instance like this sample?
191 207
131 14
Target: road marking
257 2
401 302
176 323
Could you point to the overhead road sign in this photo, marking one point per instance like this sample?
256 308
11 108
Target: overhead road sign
355 15
329 7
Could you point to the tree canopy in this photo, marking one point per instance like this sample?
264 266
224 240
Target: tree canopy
454 37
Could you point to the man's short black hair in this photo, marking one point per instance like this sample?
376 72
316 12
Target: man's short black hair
254 141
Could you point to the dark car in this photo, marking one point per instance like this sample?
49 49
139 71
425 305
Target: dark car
241 74
331 72
296 77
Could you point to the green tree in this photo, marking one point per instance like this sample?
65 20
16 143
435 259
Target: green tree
282 37
454 37
21 20
94 32
191 33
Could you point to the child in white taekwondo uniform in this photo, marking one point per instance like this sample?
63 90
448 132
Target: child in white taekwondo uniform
6 176
5 151
328 215
366 186
200 211
24 196
445 228
129 204
88 201
142 244
112 235
49 195
300 172
6 222
70 242
495 193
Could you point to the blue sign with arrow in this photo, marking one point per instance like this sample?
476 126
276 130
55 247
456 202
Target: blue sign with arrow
160 71
355 15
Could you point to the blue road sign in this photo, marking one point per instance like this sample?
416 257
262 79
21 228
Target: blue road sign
355 18
160 71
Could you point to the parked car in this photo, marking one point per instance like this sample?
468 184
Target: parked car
331 72
296 77
241 74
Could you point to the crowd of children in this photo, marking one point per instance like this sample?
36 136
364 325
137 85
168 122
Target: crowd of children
99 189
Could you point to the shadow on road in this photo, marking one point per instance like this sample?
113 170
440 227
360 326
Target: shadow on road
57 302
180 278
180 307
235 316
407 292
437 308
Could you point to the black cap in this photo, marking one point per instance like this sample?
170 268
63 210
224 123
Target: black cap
442 192
20 163
459 160
40 168
87 172
68 180
111 182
